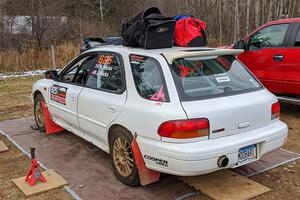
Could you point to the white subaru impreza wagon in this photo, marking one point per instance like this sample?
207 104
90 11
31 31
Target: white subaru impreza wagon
181 111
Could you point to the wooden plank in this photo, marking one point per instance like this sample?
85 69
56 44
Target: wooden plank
54 180
226 185
3 147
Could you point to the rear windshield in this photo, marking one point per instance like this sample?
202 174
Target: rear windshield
208 77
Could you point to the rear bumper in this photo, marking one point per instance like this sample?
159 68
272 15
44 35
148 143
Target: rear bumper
196 158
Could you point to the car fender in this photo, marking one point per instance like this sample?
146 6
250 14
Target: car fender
42 86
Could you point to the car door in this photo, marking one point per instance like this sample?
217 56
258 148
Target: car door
102 100
264 55
63 94
291 75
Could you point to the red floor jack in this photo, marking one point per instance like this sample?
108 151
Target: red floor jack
34 173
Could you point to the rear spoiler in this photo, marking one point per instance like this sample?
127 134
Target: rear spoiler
171 56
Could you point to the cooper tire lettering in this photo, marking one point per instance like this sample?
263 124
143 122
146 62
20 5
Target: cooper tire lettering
158 161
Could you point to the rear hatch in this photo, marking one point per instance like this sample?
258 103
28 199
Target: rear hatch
232 114
219 88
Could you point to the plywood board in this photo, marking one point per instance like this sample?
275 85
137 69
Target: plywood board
226 185
54 180
3 147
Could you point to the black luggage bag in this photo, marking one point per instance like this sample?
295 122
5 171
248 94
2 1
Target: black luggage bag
149 29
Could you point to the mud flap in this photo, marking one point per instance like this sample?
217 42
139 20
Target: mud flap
147 176
50 126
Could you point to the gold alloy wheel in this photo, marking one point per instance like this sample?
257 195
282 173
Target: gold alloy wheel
39 115
123 156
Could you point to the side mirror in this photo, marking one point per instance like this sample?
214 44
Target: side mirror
240 44
51 74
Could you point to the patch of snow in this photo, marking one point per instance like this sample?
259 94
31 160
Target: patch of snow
22 74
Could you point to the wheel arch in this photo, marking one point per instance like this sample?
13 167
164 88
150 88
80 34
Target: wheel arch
37 92
113 127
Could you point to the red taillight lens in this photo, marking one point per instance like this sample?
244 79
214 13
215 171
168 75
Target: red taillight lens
275 110
182 129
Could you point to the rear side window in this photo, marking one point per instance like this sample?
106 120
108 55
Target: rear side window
148 78
208 77
107 74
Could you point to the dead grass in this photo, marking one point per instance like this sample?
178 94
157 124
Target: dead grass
15 96
31 58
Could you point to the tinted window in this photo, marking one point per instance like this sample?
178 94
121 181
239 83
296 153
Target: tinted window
207 77
297 41
78 72
271 36
107 73
148 78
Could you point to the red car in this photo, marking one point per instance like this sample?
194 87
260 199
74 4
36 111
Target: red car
272 53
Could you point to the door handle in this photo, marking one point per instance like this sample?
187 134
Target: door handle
244 125
278 57
112 109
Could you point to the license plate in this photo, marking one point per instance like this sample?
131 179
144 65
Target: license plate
247 154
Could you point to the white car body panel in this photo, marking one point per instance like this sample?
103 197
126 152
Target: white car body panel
68 112
196 158
234 114
90 113
96 110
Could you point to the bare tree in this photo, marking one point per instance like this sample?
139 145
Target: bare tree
247 16
220 22
270 12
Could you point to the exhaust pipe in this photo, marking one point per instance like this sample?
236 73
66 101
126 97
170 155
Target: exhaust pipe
223 161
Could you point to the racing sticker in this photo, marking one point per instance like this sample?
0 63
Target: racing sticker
103 66
158 161
58 94
222 79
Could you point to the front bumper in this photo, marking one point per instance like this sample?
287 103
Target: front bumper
196 158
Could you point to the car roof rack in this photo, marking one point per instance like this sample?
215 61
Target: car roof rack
93 42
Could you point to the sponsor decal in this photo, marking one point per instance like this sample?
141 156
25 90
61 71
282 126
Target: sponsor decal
161 29
105 60
158 161
136 59
58 94
222 79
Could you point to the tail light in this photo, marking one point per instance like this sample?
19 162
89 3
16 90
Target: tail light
275 110
183 129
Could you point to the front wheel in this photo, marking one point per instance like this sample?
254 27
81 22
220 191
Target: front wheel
122 157
38 112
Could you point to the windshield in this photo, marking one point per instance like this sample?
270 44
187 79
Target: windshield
214 76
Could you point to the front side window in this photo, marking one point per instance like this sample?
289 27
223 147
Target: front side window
271 36
107 74
148 78
208 77
78 72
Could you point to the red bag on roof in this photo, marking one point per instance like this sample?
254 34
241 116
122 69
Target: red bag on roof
190 32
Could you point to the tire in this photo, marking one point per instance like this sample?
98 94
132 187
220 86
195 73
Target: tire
121 154
38 112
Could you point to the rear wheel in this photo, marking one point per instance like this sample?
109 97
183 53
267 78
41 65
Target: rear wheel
38 112
122 157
